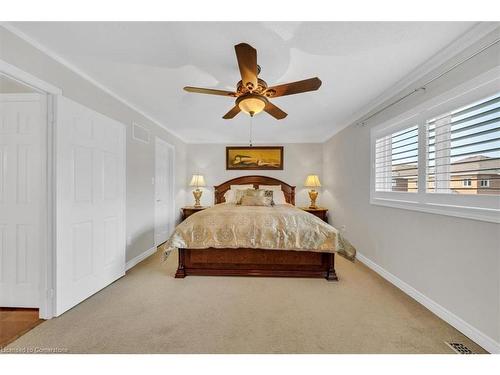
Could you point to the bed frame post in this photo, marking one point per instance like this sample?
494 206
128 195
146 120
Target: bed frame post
181 272
331 275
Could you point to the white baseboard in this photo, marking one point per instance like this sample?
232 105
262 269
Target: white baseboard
139 258
473 333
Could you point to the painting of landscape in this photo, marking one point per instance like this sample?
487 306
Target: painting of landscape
254 158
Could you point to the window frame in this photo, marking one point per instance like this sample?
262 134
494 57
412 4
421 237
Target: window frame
486 183
477 207
466 182
398 126
394 126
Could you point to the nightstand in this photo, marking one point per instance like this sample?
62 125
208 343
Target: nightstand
189 210
320 212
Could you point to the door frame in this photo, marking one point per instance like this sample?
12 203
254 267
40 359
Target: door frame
47 255
159 140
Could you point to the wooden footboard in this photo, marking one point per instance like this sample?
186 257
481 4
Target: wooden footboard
256 262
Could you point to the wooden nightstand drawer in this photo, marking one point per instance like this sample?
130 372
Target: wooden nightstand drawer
320 212
189 210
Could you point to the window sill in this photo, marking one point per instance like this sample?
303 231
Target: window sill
480 214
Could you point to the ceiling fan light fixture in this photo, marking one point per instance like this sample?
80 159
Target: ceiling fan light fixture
252 92
252 104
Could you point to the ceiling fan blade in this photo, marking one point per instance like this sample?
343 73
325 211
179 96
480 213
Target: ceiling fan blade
275 111
201 90
233 112
247 62
291 88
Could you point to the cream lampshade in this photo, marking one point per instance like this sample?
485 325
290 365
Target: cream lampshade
251 103
198 181
312 181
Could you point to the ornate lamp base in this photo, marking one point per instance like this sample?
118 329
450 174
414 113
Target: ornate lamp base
197 196
313 194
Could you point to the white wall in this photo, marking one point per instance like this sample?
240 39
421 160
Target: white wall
454 262
300 159
140 156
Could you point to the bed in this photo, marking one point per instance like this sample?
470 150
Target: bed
294 261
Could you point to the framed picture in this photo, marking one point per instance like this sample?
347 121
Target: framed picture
254 158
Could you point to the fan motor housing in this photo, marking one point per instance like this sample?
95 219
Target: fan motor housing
261 88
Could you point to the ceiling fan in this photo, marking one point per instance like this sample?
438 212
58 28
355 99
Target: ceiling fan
252 93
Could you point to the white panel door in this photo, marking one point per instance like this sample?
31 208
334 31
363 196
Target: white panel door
164 191
90 195
22 158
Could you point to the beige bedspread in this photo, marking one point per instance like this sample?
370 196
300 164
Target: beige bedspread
281 227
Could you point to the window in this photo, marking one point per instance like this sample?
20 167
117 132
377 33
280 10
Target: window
484 183
396 161
444 156
462 145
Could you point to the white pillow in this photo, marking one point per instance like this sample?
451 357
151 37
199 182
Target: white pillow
230 196
241 187
278 196
270 187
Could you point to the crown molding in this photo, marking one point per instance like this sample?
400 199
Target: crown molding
259 143
18 75
466 40
61 60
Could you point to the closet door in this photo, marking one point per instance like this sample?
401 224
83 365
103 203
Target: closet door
90 194
164 191
22 162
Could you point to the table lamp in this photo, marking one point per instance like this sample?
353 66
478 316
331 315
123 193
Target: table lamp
312 181
197 180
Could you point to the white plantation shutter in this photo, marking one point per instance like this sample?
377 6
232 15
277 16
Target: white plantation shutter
463 150
396 161
443 156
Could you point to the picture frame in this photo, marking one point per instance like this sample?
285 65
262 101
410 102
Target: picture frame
263 158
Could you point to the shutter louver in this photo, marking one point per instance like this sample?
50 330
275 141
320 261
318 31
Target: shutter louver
463 150
396 161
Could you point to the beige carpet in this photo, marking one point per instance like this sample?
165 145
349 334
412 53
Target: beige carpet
148 311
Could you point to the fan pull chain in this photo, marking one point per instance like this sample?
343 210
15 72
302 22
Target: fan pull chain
251 128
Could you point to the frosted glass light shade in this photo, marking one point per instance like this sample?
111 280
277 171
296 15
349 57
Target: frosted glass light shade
252 104
312 181
197 180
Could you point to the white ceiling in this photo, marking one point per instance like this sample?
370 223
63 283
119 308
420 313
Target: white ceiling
148 63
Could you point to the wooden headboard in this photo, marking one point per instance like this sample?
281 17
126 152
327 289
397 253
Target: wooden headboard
221 189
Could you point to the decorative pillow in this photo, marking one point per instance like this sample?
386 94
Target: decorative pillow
234 196
240 193
262 197
259 200
270 195
254 192
279 196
